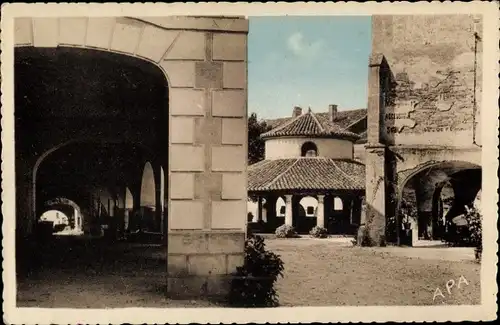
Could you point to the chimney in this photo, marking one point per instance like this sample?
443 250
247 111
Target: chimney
297 111
332 111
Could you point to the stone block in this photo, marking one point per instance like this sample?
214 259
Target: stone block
234 261
182 130
126 35
187 102
188 45
229 103
72 30
228 158
208 75
177 265
23 31
234 131
226 243
234 186
182 185
229 47
187 243
229 214
208 186
208 130
207 264
99 31
155 42
185 158
185 215
180 74
45 32
234 75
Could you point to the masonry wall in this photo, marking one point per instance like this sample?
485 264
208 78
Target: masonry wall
437 66
291 148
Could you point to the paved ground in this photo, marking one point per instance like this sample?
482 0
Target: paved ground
318 272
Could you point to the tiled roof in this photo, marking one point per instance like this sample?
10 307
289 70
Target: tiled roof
306 173
344 118
311 125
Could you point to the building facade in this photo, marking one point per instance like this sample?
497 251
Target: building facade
424 103
308 156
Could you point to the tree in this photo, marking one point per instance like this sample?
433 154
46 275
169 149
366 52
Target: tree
256 146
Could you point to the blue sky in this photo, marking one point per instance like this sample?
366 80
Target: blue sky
307 61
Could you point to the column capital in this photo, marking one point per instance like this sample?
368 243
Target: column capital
288 197
321 198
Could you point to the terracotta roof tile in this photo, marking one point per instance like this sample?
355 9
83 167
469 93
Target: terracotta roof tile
344 118
306 174
311 125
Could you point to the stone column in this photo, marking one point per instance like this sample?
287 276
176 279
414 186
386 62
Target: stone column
320 216
288 210
375 195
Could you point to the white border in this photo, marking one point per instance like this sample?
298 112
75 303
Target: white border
486 311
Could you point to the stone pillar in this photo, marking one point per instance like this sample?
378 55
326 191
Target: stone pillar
126 219
375 195
376 152
288 210
207 215
320 216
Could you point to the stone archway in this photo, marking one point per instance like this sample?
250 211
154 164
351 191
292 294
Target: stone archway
426 181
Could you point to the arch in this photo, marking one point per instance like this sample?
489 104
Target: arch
309 149
55 203
148 189
338 204
280 206
450 167
310 204
52 150
129 199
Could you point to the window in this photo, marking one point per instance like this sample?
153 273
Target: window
282 210
310 210
309 149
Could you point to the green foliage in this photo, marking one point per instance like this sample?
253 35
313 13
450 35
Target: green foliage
475 230
285 231
256 147
253 283
319 232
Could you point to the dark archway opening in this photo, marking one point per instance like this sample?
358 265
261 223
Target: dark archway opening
86 122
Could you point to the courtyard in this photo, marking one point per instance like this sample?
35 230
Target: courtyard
318 272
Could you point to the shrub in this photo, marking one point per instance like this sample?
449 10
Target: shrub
253 283
475 231
469 235
285 231
319 232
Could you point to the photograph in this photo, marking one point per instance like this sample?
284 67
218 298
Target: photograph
159 162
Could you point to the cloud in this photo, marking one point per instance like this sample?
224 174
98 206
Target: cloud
301 47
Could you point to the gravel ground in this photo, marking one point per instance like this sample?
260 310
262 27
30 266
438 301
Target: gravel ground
317 273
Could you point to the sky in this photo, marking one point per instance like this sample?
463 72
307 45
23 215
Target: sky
307 61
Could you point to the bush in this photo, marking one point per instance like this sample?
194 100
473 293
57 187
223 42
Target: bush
475 231
319 232
470 235
285 231
253 283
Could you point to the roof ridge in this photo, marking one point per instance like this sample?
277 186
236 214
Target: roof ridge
344 173
316 120
281 174
357 121
279 127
